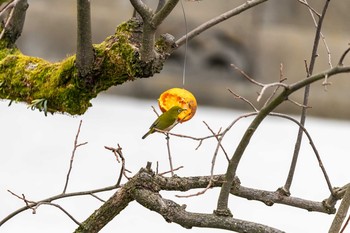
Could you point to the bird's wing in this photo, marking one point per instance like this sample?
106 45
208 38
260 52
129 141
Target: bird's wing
155 123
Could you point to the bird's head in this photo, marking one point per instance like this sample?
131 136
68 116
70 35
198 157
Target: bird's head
176 110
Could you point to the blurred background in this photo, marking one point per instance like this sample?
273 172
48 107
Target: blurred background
36 149
257 41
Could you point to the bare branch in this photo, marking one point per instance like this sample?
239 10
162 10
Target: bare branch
118 152
173 212
146 178
85 53
282 79
63 210
76 145
34 205
267 197
198 193
10 7
166 172
341 213
247 76
56 197
266 86
169 154
313 146
219 139
270 198
205 26
111 208
149 29
144 11
244 99
297 103
222 206
164 12
310 8
290 176
341 60
345 225
312 12
160 5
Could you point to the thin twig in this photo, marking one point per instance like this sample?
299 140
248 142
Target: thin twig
56 197
266 86
155 111
76 145
282 79
63 210
219 139
243 99
310 8
203 191
175 169
205 26
169 154
341 60
97 197
15 20
237 119
34 205
326 83
186 136
118 153
298 104
313 146
247 76
307 68
312 12
297 146
9 18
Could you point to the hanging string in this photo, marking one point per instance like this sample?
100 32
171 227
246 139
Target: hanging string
186 40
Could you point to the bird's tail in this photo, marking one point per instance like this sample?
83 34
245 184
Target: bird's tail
148 133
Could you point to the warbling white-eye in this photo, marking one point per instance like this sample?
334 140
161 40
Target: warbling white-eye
166 121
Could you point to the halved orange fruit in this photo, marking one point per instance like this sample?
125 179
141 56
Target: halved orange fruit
178 97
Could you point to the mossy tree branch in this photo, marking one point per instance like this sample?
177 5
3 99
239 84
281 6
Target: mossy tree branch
117 60
131 53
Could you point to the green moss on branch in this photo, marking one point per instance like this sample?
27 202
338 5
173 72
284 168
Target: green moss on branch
34 80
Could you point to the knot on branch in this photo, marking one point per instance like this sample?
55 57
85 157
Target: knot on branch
145 179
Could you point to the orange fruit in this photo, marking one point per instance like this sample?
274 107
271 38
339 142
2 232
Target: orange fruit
178 97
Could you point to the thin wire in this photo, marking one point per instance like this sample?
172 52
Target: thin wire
186 40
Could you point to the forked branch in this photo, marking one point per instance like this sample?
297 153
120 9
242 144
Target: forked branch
222 205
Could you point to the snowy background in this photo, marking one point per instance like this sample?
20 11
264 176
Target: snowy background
35 154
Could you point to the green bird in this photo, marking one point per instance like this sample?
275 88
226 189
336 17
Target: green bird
166 121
